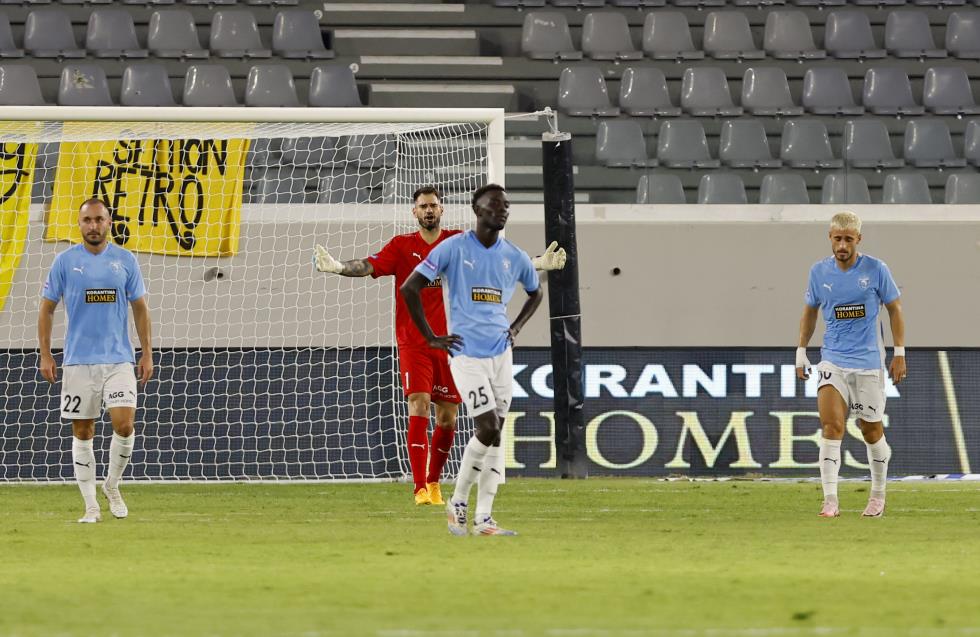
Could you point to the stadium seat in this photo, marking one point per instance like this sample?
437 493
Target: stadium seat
643 93
887 91
578 4
545 36
296 34
112 34
333 85
971 142
19 86
83 85
48 34
847 35
867 145
744 144
286 185
727 36
172 34
620 143
946 91
667 36
146 85
660 188
942 4
313 152
758 4
270 85
788 37
208 85
639 4
272 3
606 36
705 93
519 4
149 2
906 188
582 91
820 4
211 2
698 3
235 34
827 91
879 3
928 144
783 188
8 49
806 144
721 188
908 35
765 92
963 189
682 144
963 34
841 188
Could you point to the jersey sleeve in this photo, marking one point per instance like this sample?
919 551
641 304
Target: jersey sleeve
135 288
812 295
54 285
437 261
887 289
528 276
385 261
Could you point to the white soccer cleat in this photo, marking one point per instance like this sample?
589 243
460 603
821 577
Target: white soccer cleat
456 512
829 509
117 506
489 527
875 508
92 515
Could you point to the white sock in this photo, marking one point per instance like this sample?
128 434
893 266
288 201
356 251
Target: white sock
878 456
83 459
469 469
829 467
486 487
120 450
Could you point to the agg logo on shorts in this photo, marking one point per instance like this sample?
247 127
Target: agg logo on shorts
847 312
486 295
100 295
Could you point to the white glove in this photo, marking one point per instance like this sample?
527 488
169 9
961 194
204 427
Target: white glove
326 263
802 361
553 258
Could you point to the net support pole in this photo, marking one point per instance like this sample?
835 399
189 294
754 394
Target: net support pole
563 305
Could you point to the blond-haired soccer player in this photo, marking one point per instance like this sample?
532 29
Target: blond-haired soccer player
849 289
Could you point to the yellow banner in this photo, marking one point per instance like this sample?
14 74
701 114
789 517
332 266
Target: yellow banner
16 178
167 196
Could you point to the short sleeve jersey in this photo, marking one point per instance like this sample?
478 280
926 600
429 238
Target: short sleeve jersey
850 302
478 282
97 290
398 258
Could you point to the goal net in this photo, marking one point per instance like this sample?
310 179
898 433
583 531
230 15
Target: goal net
265 368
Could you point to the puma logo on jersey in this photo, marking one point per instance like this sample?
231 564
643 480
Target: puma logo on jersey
829 286
469 263
417 255
80 270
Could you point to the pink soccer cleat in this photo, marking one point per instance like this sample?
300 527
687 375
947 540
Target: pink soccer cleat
875 508
829 509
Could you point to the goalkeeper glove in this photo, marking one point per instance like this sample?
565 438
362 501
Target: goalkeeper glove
553 258
326 263
802 361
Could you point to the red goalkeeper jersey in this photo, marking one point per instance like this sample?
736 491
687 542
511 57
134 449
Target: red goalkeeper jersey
398 258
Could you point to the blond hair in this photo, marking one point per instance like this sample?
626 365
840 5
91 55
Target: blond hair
846 221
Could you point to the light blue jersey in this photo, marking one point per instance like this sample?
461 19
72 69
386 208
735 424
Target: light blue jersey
97 290
851 301
477 283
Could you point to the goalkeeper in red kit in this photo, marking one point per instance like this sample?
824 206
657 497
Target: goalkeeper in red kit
424 371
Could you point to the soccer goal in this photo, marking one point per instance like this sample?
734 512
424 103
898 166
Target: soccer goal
265 368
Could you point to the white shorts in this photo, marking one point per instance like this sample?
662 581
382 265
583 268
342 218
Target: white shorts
484 384
862 389
85 388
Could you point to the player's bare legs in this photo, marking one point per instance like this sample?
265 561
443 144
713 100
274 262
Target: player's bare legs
83 461
120 452
833 416
441 445
879 453
418 443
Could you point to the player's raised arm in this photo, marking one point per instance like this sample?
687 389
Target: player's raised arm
326 263
45 319
553 258
412 293
897 369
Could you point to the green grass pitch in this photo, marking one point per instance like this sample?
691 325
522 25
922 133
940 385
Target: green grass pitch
600 557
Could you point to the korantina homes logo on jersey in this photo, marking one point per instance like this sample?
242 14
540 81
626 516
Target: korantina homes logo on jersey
100 295
487 295
846 312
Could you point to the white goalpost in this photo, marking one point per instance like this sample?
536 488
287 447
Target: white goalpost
265 368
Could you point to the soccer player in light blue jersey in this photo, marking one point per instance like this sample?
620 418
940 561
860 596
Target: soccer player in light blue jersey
849 289
97 281
479 272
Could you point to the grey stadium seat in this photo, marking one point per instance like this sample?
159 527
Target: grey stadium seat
946 91
721 188
705 93
963 34
847 35
19 86
333 85
667 36
146 85
820 4
906 188
582 91
235 34
296 34
928 144
270 85
48 34
783 188
545 36
698 3
8 49
841 188
827 91
963 189
908 35
744 144
887 91
172 34
867 145
606 36
639 4
112 34
208 85
620 143
643 93
660 188
578 4
806 144
83 85
682 144
788 37
971 142
519 4
765 91
727 36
